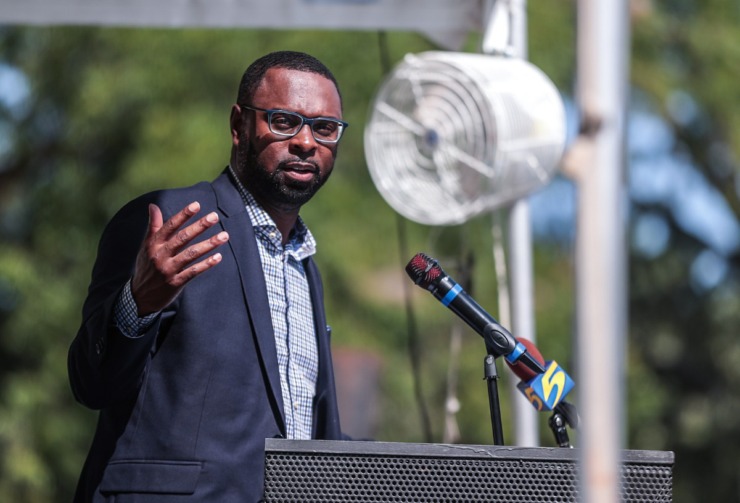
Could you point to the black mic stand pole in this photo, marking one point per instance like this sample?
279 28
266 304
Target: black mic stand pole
491 377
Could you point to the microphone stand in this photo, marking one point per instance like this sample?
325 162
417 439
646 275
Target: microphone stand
557 425
491 377
565 414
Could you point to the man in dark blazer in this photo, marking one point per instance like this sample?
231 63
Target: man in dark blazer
204 330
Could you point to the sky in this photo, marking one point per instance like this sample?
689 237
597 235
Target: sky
14 94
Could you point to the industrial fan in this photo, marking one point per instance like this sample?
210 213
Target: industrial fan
451 135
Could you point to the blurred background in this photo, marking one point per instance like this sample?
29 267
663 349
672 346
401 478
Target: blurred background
90 117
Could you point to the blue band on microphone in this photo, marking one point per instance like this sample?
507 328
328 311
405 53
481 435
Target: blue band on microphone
451 295
518 351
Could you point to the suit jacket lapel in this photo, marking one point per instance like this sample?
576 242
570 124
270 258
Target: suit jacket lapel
242 242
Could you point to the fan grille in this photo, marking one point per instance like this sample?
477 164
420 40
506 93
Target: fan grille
452 135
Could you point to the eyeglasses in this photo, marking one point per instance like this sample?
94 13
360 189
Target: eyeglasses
285 123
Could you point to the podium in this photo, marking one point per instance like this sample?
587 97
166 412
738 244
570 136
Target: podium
330 471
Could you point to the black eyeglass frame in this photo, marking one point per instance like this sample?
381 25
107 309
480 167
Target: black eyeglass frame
304 120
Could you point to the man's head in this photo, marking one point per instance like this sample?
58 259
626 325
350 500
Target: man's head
289 60
282 161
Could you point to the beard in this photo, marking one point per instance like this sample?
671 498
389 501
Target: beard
274 188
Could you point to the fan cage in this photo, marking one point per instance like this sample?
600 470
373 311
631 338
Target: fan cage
452 135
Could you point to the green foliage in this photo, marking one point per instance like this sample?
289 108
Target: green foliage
691 50
682 364
117 112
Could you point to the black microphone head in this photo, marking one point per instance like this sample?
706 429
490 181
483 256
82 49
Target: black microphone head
424 270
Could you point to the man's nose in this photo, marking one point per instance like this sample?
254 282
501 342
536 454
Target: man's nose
304 137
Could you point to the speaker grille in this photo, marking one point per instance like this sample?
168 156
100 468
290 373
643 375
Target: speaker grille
418 475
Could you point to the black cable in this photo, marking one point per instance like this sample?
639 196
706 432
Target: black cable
411 327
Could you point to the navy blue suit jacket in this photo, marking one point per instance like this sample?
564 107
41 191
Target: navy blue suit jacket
185 409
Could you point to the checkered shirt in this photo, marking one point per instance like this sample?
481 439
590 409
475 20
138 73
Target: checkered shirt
291 311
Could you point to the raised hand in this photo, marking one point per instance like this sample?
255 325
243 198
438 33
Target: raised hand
167 260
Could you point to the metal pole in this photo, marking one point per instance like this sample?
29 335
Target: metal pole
597 161
514 43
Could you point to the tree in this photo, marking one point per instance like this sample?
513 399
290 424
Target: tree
111 113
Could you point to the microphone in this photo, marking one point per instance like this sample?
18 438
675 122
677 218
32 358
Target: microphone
427 273
544 384
525 373
546 390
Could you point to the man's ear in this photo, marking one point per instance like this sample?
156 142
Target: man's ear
236 123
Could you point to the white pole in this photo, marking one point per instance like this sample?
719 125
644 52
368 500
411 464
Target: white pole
512 15
597 161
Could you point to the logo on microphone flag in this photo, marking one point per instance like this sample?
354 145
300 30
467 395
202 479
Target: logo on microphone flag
545 391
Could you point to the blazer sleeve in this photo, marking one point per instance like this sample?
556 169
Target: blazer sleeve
103 364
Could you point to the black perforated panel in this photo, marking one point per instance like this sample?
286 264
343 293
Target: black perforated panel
312 471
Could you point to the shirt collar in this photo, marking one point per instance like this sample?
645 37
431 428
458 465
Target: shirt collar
301 241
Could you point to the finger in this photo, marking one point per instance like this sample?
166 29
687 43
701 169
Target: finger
196 269
155 219
182 260
171 226
184 236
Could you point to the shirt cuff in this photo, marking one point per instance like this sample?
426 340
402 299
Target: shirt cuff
125 315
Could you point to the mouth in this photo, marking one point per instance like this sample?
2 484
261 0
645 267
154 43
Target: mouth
300 171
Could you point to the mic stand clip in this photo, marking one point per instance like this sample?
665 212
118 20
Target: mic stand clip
564 414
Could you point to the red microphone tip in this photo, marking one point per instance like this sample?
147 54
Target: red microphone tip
423 270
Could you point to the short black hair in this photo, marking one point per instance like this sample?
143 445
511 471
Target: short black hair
290 60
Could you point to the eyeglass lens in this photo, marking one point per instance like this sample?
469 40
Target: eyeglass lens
288 124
